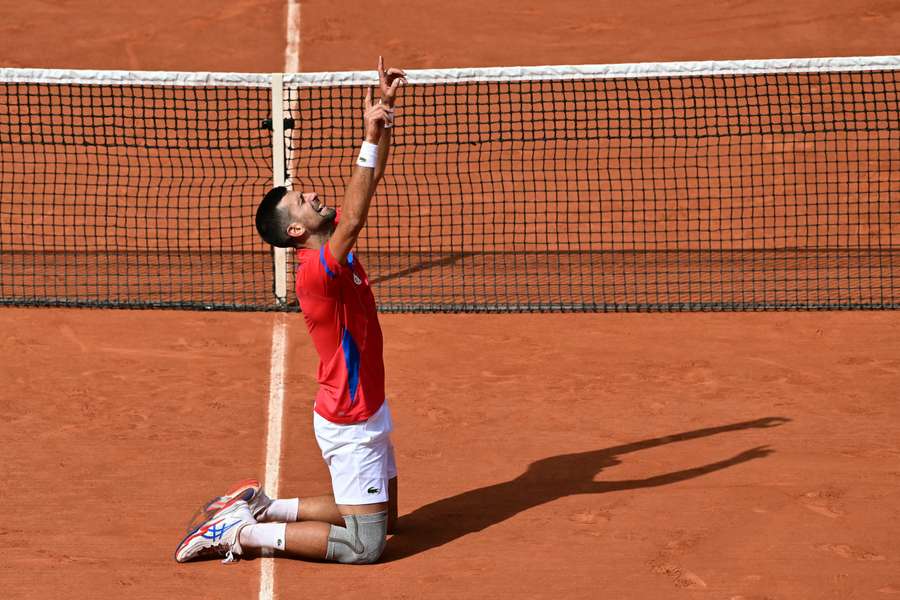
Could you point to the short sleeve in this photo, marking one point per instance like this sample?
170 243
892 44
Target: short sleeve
318 273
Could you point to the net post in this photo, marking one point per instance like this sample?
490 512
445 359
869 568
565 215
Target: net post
278 178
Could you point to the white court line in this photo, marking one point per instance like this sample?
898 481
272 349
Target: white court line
292 49
279 341
273 440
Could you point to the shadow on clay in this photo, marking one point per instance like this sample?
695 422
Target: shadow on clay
545 480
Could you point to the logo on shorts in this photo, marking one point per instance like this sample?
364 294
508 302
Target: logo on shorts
356 279
372 490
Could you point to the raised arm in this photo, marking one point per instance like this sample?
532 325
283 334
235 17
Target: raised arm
386 81
369 166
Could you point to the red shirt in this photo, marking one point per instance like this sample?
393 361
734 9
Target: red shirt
339 309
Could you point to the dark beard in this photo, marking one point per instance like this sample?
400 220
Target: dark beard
329 215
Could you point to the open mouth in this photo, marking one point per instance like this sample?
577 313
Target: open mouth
316 204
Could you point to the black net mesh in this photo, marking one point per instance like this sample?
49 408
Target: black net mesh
716 192
734 192
133 196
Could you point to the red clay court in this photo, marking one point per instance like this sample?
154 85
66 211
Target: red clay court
734 455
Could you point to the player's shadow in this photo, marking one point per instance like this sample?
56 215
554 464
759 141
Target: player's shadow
445 260
545 480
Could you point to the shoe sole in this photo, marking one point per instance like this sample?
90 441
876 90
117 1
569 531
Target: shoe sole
243 490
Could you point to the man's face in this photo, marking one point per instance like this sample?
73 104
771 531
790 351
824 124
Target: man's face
307 213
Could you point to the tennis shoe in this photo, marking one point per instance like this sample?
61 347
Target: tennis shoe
247 490
219 536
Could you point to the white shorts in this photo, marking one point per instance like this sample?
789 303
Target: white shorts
359 456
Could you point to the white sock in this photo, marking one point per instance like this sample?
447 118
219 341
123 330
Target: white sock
269 536
281 511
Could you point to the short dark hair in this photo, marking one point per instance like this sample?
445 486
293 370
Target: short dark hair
271 221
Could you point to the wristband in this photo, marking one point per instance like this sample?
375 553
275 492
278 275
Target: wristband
368 155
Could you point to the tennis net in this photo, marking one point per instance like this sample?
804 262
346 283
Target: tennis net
746 185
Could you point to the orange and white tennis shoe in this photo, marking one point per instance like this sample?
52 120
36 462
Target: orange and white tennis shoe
247 490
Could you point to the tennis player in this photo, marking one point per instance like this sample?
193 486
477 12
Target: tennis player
351 418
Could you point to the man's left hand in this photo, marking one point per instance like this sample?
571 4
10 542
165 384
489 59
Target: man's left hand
389 81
